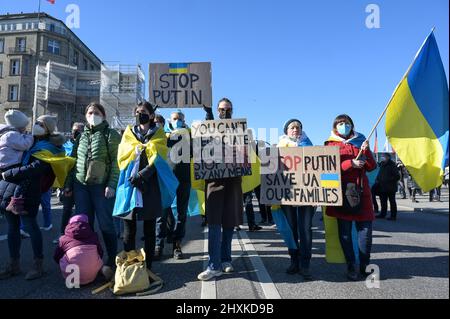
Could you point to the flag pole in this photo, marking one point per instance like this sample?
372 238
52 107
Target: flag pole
395 91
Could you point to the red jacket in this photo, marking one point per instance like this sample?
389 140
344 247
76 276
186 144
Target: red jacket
349 174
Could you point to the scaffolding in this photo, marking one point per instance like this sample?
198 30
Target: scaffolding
122 87
64 91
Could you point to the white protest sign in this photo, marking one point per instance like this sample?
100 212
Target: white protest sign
304 176
221 149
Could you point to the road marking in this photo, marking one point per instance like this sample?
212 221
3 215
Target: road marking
4 237
264 279
209 288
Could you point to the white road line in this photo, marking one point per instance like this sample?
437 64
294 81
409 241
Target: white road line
209 289
267 285
4 237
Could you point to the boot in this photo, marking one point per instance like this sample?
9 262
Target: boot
352 274
11 270
177 253
37 271
295 261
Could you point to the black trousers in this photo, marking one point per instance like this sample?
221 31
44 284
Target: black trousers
129 238
384 197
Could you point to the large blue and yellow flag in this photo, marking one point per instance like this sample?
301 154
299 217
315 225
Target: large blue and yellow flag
417 117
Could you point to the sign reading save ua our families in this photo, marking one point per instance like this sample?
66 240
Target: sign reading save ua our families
221 149
180 85
304 176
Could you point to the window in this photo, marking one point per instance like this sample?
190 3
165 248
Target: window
92 68
52 27
2 45
13 93
1 70
85 64
53 47
76 56
21 44
15 67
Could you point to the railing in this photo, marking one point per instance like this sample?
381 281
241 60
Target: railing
20 50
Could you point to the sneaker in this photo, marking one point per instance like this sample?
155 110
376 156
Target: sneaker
237 228
48 228
304 272
227 268
177 253
352 274
254 228
209 274
24 234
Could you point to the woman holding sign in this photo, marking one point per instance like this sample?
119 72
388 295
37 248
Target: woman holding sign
299 218
359 208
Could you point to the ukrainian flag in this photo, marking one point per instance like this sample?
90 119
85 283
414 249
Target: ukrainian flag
417 117
330 180
178 68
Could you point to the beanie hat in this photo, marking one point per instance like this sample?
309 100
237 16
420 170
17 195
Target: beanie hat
49 122
16 119
286 125
79 219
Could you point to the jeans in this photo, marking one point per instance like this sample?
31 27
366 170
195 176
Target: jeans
219 246
392 202
91 201
248 201
364 230
68 203
300 222
169 226
46 207
129 238
31 226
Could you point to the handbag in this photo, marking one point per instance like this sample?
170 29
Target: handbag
131 273
352 198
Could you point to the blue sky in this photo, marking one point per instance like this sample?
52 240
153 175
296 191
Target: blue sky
275 60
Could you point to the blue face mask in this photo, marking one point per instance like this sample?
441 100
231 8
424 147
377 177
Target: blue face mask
344 129
177 124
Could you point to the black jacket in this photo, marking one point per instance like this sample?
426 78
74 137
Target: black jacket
388 177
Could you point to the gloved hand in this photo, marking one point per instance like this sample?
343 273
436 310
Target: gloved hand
138 182
209 112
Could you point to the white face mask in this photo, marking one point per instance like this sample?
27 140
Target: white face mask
94 120
38 130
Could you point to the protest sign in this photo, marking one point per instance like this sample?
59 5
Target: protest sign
221 149
180 85
304 176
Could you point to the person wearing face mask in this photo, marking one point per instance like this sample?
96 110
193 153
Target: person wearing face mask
68 201
153 178
353 171
224 211
387 180
44 165
299 218
168 225
94 178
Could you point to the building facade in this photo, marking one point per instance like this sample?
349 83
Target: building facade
29 40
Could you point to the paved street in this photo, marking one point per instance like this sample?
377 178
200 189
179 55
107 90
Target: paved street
412 254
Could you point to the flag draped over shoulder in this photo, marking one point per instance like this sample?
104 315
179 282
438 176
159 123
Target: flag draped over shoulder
53 155
417 118
156 151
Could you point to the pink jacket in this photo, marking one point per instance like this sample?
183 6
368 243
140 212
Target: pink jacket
79 246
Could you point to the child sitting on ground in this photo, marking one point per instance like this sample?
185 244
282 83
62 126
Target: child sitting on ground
80 246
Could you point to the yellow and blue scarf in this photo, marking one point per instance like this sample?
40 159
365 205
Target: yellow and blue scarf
156 151
53 155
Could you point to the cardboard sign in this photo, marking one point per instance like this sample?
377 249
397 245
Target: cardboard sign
180 85
221 149
304 176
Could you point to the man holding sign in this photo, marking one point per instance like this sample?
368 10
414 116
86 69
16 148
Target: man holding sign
223 195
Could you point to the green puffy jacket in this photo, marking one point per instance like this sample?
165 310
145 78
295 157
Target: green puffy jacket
99 136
